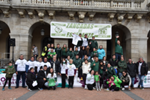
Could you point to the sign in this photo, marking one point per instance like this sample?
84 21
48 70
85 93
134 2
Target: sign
65 30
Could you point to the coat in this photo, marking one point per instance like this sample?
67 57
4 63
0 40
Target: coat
110 72
10 70
58 52
113 62
122 66
30 77
71 54
77 62
93 44
144 68
131 68
96 67
118 48
101 53
57 66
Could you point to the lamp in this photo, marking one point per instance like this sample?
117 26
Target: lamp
0 30
42 32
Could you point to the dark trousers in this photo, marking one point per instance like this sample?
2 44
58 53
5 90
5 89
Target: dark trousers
118 56
113 87
101 81
80 72
23 79
30 86
90 86
35 69
59 59
71 81
9 85
124 83
35 57
84 78
63 80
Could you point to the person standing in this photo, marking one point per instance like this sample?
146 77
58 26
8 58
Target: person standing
101 53
131 68
70 53
113 62
39 65
58 52
35 52
76 52
45 51
77 41
142 71
55 65
94 53
95 65
93 44
64 51
10 70
85 41
118 49
31 64
82 53
20 67
47 64
122 66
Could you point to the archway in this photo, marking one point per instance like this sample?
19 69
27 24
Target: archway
125 40
4 40
148 49
40 32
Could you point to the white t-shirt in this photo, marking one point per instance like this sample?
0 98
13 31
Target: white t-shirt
139 68
39 64
63 68
21 64
71 69
31 64
75 39
85 42
47 64
90 79
51 77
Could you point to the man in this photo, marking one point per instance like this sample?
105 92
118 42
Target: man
118 49
39 64
35 52
85 41
58 52
101 53
50 54
113 62
55 65
71 53
95 64
47 64
122 66
77 41
45 51
20 67
93 44
76 52
41 78
131 68
31 64
94 53
142 71
78 63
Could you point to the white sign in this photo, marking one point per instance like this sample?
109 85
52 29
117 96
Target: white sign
65 30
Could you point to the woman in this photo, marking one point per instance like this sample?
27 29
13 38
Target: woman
105 61
52 47
102 70
88 52
64 51
31 77
85 70
82 53
90 80
126 80
52 80
63 67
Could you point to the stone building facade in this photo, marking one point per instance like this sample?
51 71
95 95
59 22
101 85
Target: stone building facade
24 20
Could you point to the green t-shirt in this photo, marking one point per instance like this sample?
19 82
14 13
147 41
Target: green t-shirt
96 77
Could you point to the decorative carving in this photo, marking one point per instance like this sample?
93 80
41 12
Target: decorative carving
138 17
91 15
41 14
31 13
81 16
111 16
51 14
6 12
71 15
21 12
120 18
129 17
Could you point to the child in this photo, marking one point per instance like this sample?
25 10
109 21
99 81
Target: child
10 70
97 79
70 73
63 67
51 54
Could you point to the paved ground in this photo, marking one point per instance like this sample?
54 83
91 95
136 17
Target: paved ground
73 94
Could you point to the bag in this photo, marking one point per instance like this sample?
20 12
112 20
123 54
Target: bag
34 83
51 82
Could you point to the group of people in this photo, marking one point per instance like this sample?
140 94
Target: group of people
87 61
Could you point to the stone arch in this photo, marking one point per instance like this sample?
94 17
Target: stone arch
4 40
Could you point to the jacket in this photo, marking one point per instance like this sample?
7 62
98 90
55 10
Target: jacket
122 66
51 53
101 53
127 79
102 70
110 72
75 53
42 75
10 70
144 68
86 67
77 62
131 68
113 62
118 48
117 81
64 51
82 53
93 44
57 66
96 67
58 52
30 77
35 51
94 53
71 54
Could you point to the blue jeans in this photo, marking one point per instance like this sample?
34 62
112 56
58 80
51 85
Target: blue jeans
141 77
133 79
118 56
23 79
120 74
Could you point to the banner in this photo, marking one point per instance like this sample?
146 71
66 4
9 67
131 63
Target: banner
65 30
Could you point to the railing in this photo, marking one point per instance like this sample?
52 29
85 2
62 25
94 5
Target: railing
78 3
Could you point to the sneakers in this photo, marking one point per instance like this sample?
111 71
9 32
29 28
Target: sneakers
3 89
9 88
85 87
41 89
142 88
93 88
97 89
101 86
16 87
29 89
23 86
107 89
123 89
129 89
78 79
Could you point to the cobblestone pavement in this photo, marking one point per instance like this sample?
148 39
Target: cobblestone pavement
72 94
